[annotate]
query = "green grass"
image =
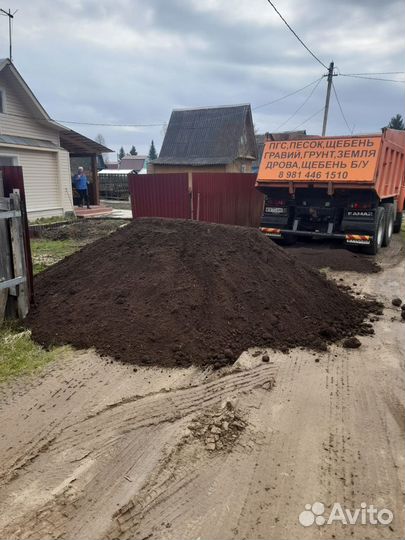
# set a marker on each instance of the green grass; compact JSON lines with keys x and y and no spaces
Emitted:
{"x":50,"y":220}
{"x":48,"y":252}
{"x":19,"y":355}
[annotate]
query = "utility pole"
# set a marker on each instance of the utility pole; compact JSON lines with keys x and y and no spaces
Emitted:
{"x":10,"y":17}
{"x":325,"y":114}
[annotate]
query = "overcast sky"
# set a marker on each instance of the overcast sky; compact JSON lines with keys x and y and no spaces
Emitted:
{"x":133,"y":61}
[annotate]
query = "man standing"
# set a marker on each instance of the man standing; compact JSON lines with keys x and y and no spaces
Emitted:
{"x":81,"y":184}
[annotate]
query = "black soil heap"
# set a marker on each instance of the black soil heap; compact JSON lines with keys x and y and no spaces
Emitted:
{"x":173,"y":292}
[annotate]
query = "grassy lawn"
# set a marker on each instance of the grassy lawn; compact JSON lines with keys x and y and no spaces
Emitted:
{"x":48,"y":252}
{"x":50,"y":220}
{"x":19,"y":355}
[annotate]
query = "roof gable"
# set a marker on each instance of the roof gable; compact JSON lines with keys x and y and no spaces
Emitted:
{"x":71,"y":140}
{"x":40,"y":112}
{"x":209,"y":136}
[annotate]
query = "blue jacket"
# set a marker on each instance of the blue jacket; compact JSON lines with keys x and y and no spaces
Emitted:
{"x":80,"y":181}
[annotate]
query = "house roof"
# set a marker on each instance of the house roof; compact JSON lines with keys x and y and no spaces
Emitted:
{"x":134,"y":162}
{"x":26,"y":141}
{"x":70,"y":140}
{"x":130,"y":156}
{"x":286,"y":135}
{"x":116,"y":172}
{"x":76,"y":143}
{"x":208,"y":136}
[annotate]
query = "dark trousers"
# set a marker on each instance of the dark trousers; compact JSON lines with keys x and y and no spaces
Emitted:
{"x":83,"y":196}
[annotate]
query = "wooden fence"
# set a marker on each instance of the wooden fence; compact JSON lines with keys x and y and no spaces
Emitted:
{"x":14,"y":294}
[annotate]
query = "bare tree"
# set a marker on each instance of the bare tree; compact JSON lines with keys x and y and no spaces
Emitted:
{"x":100,"y":140}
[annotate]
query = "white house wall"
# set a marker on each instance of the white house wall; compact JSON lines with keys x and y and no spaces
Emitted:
{"x":65,"y":181}
{"x":47,"y":180}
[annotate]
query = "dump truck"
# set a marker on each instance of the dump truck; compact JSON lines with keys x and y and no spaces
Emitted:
{"x":347,"y":188}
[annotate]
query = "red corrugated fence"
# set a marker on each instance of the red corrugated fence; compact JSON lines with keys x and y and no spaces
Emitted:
{"x":229,"y":198}
{"x":159,"y":195}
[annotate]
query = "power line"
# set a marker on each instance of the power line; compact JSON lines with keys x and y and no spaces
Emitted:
{"x":340,"y":106}
{"x":108,"y":125}
{"x":296,"y":35}
{"x":370,"y":78}
{"x":86,"y":123}
{"x":309,"y":118}
{"x":301,"y":106}
{"x":286,"y":96}
{"x":370,"y":73}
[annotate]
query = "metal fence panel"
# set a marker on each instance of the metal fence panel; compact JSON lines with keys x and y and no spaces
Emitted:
{"x":229,"y":198}
{"x":160,"y":195}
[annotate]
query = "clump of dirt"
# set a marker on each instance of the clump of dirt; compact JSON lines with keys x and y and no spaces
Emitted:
{"x":219,"y":429}
{"x":82,"y":229}
{"x":337,"y":259}
{"x":174,"y":292}
{"x":351,"y":343}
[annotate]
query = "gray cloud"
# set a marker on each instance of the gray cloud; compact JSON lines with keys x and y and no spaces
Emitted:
{"x":132,"y":61}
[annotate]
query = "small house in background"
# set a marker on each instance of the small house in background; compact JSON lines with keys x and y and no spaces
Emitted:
{"x":210,"y":139}
{"x":43,"y":148}
{"x":135,"y":163}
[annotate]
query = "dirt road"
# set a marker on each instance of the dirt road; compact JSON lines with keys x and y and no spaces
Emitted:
{"x":92,"y":449}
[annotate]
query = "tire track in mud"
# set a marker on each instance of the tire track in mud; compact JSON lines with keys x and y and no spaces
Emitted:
{"x":91,"y":467}
{"x":191,"y":487}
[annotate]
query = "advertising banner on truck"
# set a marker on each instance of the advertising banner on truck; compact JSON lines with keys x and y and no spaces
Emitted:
{"x":334,"y":159}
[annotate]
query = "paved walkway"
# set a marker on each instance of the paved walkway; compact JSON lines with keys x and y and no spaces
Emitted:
{"x":93,"y":211}
{"x":120,"y":213}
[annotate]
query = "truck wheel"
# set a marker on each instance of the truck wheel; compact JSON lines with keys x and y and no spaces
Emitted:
{"x":378,"y":233}
{"x":389,"y":224}
{"x":398,"y":222}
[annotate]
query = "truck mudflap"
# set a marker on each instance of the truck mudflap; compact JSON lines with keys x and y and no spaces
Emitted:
{"x":351,"y":239}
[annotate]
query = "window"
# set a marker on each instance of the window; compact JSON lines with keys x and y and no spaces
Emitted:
{"x":6,"y":161}
{"x":243,"y":168}
{"x":2,"y":101}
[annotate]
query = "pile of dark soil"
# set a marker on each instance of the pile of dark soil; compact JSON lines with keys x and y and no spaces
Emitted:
{"x":172,"y":292}
{"x":335,"y":259}
{"x":82,"y":229}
